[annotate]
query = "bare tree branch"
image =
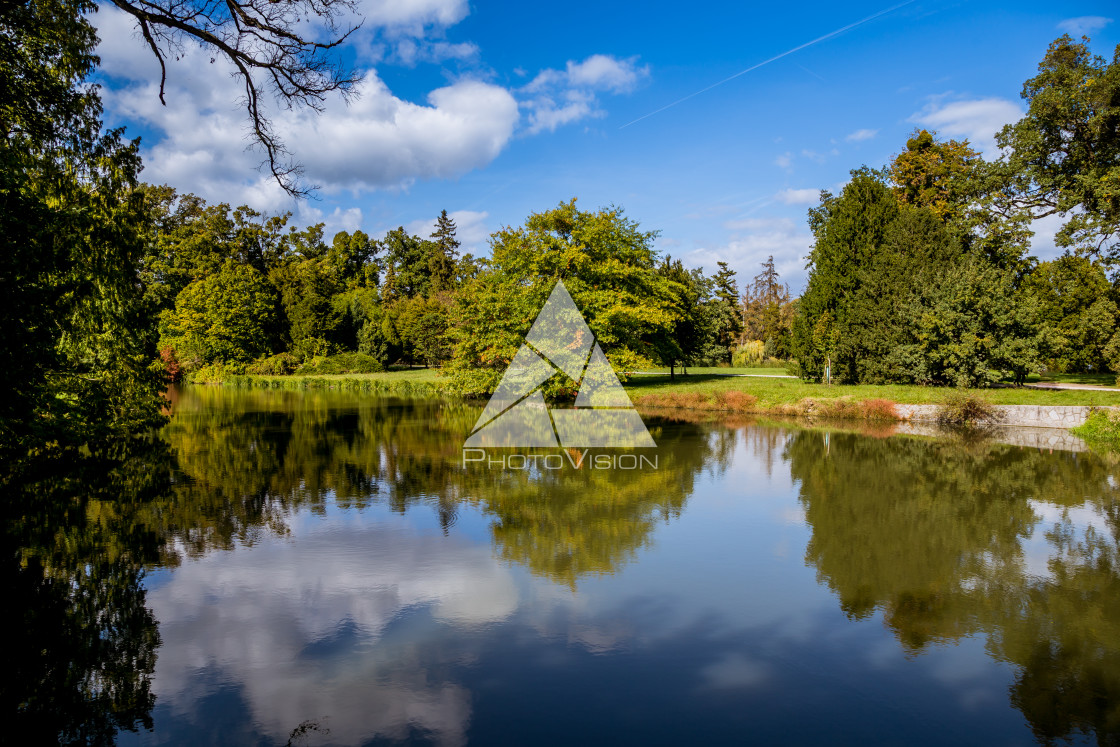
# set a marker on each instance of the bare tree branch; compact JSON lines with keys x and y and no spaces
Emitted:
{"x":263,"y":41}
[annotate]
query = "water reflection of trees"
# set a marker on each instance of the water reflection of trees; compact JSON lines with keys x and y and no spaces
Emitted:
{"x":934,"y":534}
{"x":80,"y":536}
{"x":247,"y":458}
{"x":78,"y":668}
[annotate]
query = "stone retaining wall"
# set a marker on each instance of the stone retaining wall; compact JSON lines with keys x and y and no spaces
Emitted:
{"x":1030,"y":416}
{"x":1051,"y":439}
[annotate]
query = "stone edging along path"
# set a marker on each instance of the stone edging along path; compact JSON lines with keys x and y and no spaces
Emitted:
{"x":1029,"y":416}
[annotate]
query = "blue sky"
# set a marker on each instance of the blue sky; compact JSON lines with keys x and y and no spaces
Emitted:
{"x":494,"y":110}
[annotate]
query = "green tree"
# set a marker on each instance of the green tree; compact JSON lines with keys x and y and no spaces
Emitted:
{"x":408,"y":265}
{"x":424,"y":324}
{"x":353,"y":257}
{"x":226,"y":317}
{"x":189,"y":240}
{"x":315,"y":322}
{"x":1064,"y":155}
{"x":918,"y":248}
{"x":444,"y":259}
{"x":727,"y":313}
{"x":1073,"y":300}
{"x":849,"y":229}
{"x":689,"y":340}
{"x":973,"y":327}
{"x":607,"y":263}
{"x":75,"y":352}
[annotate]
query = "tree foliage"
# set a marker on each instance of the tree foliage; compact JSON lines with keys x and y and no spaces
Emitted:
{"x":607,"y":263}
{"x":77,"y":346}
{"x":1064,"y":155}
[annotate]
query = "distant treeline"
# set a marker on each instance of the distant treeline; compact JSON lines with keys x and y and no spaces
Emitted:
{"x":234,"y":291}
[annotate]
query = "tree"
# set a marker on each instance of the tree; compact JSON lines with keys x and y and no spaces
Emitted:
{"x":688,"y":341}
{"x":353,"y":257}
{"x":307,"y":291}
{"x":848,"y":229}
{"x":76,"y":346}
{"x":1073,"y":300}
{"x":767,"y":311}
{"x":607,"y":263}
{"x":1064,"y":155}
{"x":408,"y":261}
{"x":918,"y":248}
{"x":444,"y":259}
{"x":935,"y":175}
{"x":973,"y":327}
{"x":189,"y":240}
{"x":227,"y":317}
{"x":424,"y":325}
{"x":271,"y":48}
{"x":727,"y":315}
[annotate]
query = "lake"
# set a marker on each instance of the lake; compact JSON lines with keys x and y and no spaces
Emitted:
{"x":321,"y":568}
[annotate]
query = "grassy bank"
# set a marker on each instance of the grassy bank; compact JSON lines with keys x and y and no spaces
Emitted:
{"x":1102,"y":428}
{"x":710,"y":391}
{"x":412,"y":382}
{"x":796,"y":397}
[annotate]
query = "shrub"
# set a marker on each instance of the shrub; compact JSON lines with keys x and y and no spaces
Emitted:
{"x":343,"y":363}
{"x":735,"y":400}
{"x":749,"y":354}
{"x":215,"y":373}
{"x":170,"y":363}
{"x":879,"y":409}
{"x":1102,"y":426}
{"x":310,"y":348}
{"x":964,"y":408}
{"x":280,"y":364}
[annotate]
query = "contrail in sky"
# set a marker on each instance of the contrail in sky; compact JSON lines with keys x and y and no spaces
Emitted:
{"x":819,"y":39}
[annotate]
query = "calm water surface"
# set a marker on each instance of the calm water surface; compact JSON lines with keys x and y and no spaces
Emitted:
{"x":320,"y":568}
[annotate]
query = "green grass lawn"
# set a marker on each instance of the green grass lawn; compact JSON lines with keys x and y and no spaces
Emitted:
{"x":769,"y":392}
{"x":703,"y":370}
{"x":775,"y":392}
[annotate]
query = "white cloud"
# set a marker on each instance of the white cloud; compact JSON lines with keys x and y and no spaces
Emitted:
{"x":603,"y":72}
{"x":1083,"y":25}
{"x":339,"y":220}
{"x":548,"y":113}
{"x":378,"y":141}
{"x":859,"y":135}
{"x":784,"y":160}
{"x":978,"y":120}
{"x":411,"y":14}
{"x":798,"y":196}
{"x":470,"y":229}
{"x":812,"y":155}
{"x":410,"y":52}
{"x":755,"y":239}
{"x":558,"y":97}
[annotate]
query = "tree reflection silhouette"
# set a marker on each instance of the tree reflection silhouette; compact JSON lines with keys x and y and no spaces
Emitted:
{"x":75,"y":547}
{"x":932,"y":534}
{"x":247,"y":458}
